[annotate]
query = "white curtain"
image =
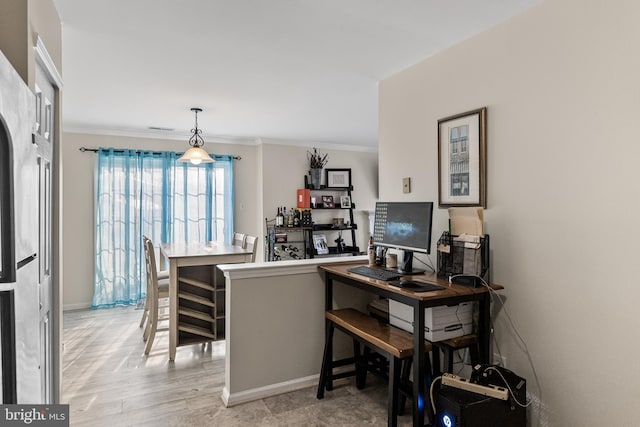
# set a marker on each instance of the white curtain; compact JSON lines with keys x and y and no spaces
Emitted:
{"x":149,"y":193}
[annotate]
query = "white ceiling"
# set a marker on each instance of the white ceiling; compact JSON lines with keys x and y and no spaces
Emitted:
{"x":299,"y":70}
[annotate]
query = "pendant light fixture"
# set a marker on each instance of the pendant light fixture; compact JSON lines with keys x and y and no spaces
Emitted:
{"x":196,"y":154}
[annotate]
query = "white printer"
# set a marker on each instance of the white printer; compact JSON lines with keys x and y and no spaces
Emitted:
{"x":440,"y":323}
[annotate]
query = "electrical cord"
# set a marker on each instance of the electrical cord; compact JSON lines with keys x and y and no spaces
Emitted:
{"x":457,"y":352}
{"x":524,"y":405}
{"x":433,"y":405}
{"x":492,"y":293}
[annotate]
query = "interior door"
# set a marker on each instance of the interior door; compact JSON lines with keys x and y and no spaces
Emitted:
{"x":44,"y":135}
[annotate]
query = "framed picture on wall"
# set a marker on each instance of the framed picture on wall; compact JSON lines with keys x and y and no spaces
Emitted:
{"x":462,"y":173}
{"x":338,"y":178}
{"x":327,"y":202}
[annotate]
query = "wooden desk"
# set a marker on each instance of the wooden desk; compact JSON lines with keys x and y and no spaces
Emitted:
{"x":196,"y":301}
{"x":451,"y":294}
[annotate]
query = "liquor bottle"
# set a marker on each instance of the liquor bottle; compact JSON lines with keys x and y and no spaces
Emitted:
{"x":296,"y":218}
{"x":372,"y":252}
{"x":290,"y":218}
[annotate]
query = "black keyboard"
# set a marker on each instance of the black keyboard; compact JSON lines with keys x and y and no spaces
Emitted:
{"x":375,"y":273}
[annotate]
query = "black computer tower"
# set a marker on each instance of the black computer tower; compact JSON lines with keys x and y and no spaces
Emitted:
{"x":461,"y":408}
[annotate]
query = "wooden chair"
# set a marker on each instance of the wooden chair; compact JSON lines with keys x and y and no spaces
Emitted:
{"x":157,"y":291}
{"x":251,"y":243}
{"x":163,"y":276}
{"x":239,"y":239}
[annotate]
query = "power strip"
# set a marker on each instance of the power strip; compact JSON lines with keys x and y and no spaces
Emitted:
{"x":455,"y":381}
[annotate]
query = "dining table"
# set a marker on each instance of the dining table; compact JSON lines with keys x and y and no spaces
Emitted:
{"x":196,"y":290}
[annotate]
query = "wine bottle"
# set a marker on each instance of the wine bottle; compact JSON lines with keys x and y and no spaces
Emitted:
{"x":279,"y":218}
{"x":290,"y":252}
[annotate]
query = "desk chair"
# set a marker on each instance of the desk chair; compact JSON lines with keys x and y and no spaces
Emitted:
{"x":251,"y":243}
{"x":157,"y":291}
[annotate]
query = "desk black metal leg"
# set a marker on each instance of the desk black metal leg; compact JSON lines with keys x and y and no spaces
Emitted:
{"x":328,"y":293}
{"x":394,"y":383}
{"x":421,"y":404}
{"x":484,"y":329}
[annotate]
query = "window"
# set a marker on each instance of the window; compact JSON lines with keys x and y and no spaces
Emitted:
{"x":151,"y":194}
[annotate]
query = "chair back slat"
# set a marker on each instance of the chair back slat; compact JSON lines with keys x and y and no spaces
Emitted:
{"x":252,"y":244}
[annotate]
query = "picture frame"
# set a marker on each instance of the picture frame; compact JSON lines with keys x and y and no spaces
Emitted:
{"x":327,"y":202}
{"x":462,"y":159}
{"x":320,"y":244}
{"x":345,"y":202}
{"x":338,"y":178}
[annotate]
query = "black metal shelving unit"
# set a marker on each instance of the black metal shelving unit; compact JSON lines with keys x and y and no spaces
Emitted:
{"x":299,"y":243}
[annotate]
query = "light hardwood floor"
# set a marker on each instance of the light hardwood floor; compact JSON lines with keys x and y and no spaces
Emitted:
{"x":107,"y":380}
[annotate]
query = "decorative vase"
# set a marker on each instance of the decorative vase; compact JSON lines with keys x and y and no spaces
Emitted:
{"x":316,"y":177}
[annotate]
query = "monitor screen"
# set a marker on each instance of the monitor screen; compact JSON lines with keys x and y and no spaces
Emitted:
{"x":403,"y":225}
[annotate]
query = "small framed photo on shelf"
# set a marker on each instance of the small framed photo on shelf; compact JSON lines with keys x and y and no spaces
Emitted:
{"x":327,"y":202}
{"x":320,"y":244}
{"x":345,"y":202}
{"x":338,"y":178}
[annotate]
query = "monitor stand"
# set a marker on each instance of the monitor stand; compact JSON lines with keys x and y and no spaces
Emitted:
{"x":406,"y":267}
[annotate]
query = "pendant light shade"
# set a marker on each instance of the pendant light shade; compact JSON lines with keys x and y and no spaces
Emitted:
{"x":196,"y":154}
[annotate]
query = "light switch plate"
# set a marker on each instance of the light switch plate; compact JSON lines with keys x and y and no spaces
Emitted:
{"x":406,"y":185}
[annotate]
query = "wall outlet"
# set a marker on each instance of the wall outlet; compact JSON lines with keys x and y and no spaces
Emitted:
{"x":406,"y":185}
{"x":499,"y":360}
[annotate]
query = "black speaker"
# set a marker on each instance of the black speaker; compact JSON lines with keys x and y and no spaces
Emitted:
{"x":461,"y":408}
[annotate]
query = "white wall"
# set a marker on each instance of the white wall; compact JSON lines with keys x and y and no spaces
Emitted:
{"x":266,"y":177}
{"x":284,"y":168}
{"x":561,"y":86}
{"x":275,"y":326}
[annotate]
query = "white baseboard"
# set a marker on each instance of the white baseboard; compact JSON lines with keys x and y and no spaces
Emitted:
{"x":78,"y":306}
{"x":268,"y":391}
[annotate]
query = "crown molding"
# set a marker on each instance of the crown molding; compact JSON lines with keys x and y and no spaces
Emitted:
{"x":320,"y":145}
{"x":157,"y":134}
{"x":183,"y":136}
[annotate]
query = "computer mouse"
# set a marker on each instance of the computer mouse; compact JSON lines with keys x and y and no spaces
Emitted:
{"x":406,"y":283}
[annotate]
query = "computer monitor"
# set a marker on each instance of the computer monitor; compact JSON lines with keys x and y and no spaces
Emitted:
{"x":406,"y":226}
